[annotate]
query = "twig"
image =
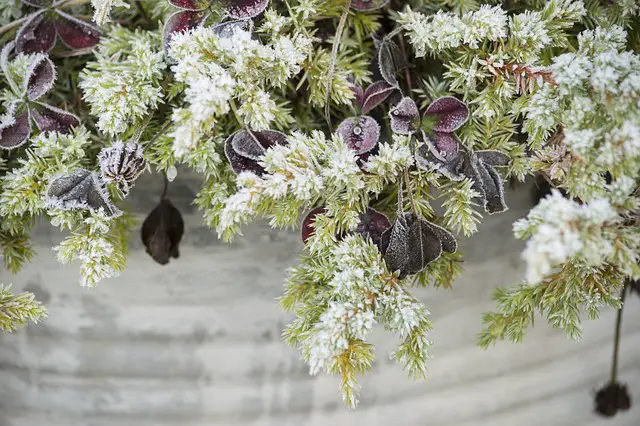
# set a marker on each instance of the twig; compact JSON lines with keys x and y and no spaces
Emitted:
{"x":13,"y":24}
{"x":157,"y":135}
{"x":332,"y":64}
{"x":616,"y":341}
{"x":166,"y":186}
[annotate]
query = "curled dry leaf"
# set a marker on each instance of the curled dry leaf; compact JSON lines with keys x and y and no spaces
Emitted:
{"x":81,"y":189}
{"x":412,"y":243}
{"x":122,"y":164}
{"x":391,"y":60}
{"x":162,"y":231}
{"x":612,"y":398}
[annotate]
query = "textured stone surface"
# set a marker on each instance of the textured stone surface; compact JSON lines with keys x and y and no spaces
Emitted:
{"x":197,"y":342}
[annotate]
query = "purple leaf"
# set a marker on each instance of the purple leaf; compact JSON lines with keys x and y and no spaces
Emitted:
{"x":375,"y":95}
{"x":359,"y":99}
{"x":42,"y":75}
{"x":246,"y":9}
{"x":38,"y":3}
{"x":373,"y":224}
{"x":186,"y":4}
{"x":17,"y":133}
{"x":390,"y":61}
{"x":405,"y":117}
{"x":361,"y":134}
{"x":180,"y":22}
{"x":493,"y":158}
{"x":162,"y":231}
{"x":367,"y":5}
{"x":238,"y":162}
{"x":36,"y":35}
{"x":244,"y":143}
{"x":452,"y":113}
{"x":307,"y":229}
{"x":81,"y":189}
{"x":429,"y":157}
{"x":52,"y":119}
{"x":446,"y":145}
{"x":269,"y":138}
{"x":75,"y":33}
{"x":449,"y":243}
{"x":493,"y":190}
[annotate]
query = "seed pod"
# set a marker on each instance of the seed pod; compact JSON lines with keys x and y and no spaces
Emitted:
{"x":162,"y":231}
{"x":122,"y":164}
{"x":612,"y":398}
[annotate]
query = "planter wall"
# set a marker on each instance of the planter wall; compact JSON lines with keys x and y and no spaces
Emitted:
{"x":198,"y":343}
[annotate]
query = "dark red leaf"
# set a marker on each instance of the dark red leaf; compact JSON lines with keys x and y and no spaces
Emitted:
{"x":375,"y":94}
{"x":452,"y":113}
{"x":16,"y":134}
{"x":36,"y":35}
{"x":240,"y":163}
{"x":366,"y":5}
{"x":429,"y":157}
{"x":361,"y":134}
{"x":372,"y":224}
{"x":359,"y":99}
{"x":162,"y":232}
{"x":42,"y":75}
{"x":75,"y":33}
{"x":246,"y":9}
{"x":307,"y":229}
{"x":244,"y":143}
{"x":187,"y":4}
{"x":180,"y":22}
{"x":52,"y":119}
{"x":446,"y":145}
{"x":405,"y":117}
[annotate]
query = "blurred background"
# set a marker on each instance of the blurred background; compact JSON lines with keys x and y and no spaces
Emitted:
{"x":197,"y":342}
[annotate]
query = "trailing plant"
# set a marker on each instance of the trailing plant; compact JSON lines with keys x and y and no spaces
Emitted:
{"x":355,"y":120}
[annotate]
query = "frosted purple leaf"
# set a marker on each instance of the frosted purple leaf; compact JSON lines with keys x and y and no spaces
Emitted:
{"x":42,"y":75}
{"x":359,"y":99}
{"x":15,"y":133}
{"x":452,"y":113}
{"x":270,"y":138}
{"x":122,"y":164}
{"x":372,"y":224}
{"x":375,"y":94}
{"x":76,"y":33}
{"x":361,"y":134}
{"x":405,"y":117}
{"x":493,"y":158}
{"x":36,"y":35}
{"x":367,"y":5}
{"x":244,"y":143}
{"x":81,"y":189}
{"x":52,"y":119}
{"x":187,"y":4}
{"x":428,"y":157}
{"x":307,"y":229}
{"x":179,"y":22}
{"x":446,"y":145}
{"x":412,"y":243}
{"x":390,"y":61}
{"x":238,"y":162}
{"x":246,"y":9}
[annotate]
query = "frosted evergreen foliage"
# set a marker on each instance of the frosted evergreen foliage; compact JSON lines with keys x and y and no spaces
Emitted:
{"x":383,"y":131}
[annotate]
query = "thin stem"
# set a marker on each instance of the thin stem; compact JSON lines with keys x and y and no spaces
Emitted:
{"x":332,"y":65}
{"x":13,"y":24}
{"x":166,"y":186}
{"x":616,"y":341}
{"x":157,"y":135}
{"x":407,"y":181}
